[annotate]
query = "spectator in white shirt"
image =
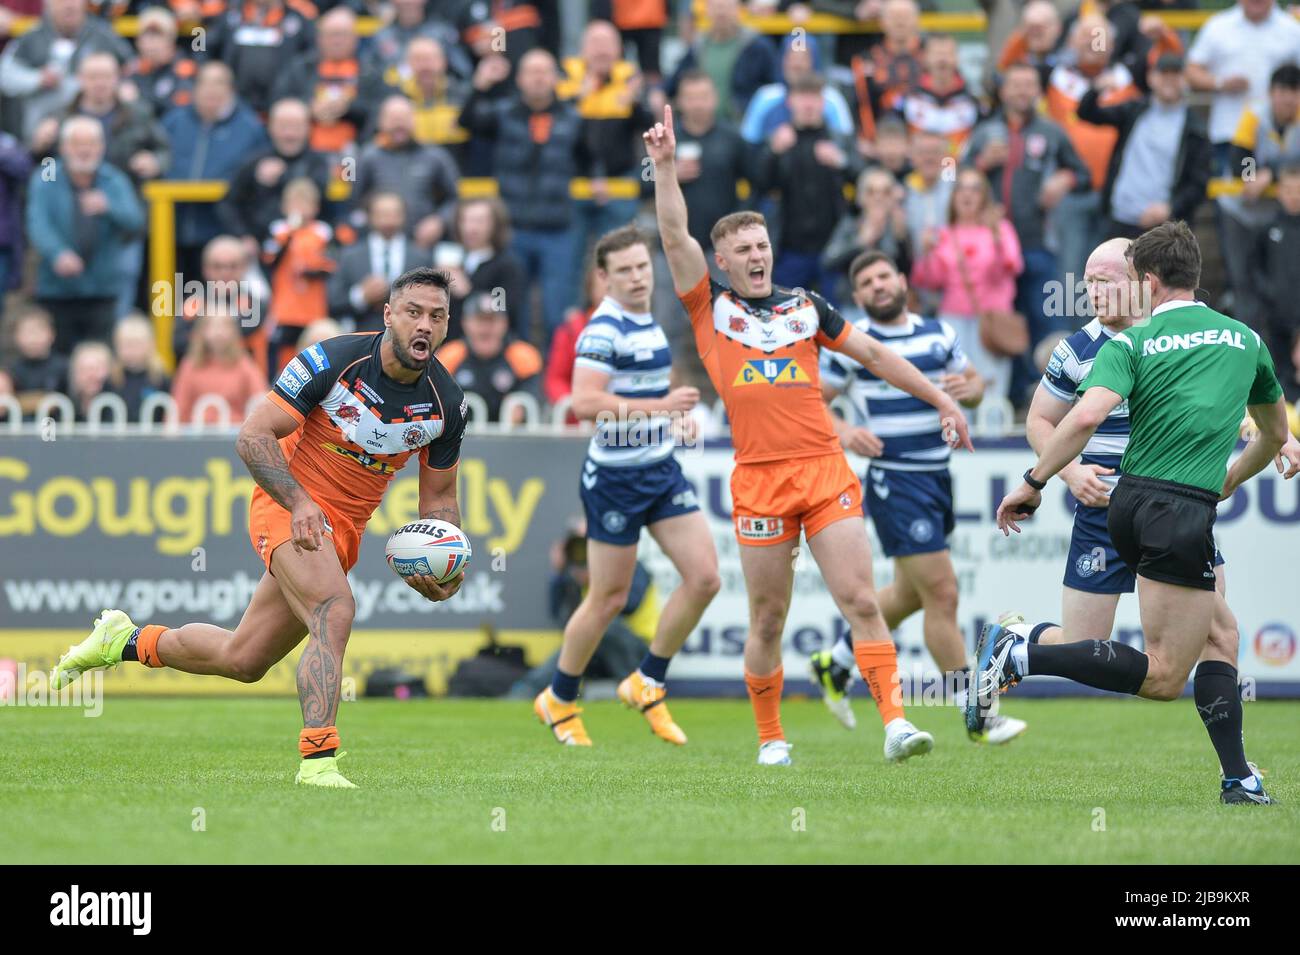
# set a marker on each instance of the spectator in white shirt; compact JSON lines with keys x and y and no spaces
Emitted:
{"x":1233,"y":57}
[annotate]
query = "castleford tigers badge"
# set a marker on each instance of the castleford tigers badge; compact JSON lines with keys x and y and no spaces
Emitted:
{"x":738,"y":323}
{"x":412,"y":436}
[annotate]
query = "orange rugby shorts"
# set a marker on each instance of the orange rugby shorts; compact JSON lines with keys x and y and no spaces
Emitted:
{"x":771,"y":502}
{"x":269,"y":526}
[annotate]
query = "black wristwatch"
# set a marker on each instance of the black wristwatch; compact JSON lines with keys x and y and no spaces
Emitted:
{"x":1029,"y":479}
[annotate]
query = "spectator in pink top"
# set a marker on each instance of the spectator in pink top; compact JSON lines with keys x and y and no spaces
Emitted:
{"x":977,"y":252}
{"x":217,"y":364}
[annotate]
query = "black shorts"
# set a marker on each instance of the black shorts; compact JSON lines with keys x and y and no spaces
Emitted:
{"x":1164,"y":530}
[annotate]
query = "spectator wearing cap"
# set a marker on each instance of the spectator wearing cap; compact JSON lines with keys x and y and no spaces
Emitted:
{"x":740,"y":61}
{"x":1277,"y":263}
{"x":163,"y":73}
{"x":211,"y":138}
{"x":342,"y":91}
{"x":424,"y":176}
{"x":15,"y":167}
{"x":258,"y":40}
{"x":1267,"y":137}
{"x":939,"y":102}
{"x":253,"y":200}
{"x":135,"y":143}
{"x":39,"y":69}
{"x":809,"y":165}
{"x":769,"y":108}
{"x":367,"y":269}
{"x":413,"y":20}
{"x":1161,"y":161}
{"x":712,"y":157}
{"x":480,"y":260}
{"x":606,"y":91}
{"x":538,"y":144}
{"x":437,"y":96}
{"x":1031,"y":166}
{"x":1233,"y":58}
{"x":78,"y":220}
{"x":488,"y":362}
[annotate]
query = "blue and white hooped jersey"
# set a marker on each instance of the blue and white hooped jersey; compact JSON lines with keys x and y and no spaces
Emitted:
{"x":1070,"y":363}
{"x":908,"y":428}
{"x":633,"y":350}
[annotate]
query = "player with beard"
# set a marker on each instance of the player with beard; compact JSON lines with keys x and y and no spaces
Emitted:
{"x":339,"y":423}
{"x":761,"y":347}
{"x":908,"y":490}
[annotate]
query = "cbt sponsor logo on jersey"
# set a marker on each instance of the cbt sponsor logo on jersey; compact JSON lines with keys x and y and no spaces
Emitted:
{"x":772,"y":371}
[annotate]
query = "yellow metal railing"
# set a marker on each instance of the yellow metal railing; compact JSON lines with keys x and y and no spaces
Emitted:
{"x":973,"y":22}
{"x":162,"y":196}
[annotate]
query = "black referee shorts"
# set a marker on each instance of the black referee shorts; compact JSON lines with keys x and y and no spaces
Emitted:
{"x":1164,"y":530}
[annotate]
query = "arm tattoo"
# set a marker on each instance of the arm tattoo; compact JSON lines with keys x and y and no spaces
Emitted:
{"x":265,"y":460}
{"x":319,"y":670}
{"x":443,"y":509}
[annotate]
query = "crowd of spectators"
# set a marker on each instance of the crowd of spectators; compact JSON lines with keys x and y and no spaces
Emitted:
{"x":345,"y":145}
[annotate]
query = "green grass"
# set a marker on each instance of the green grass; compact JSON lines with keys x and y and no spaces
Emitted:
{"x":123,"y":787}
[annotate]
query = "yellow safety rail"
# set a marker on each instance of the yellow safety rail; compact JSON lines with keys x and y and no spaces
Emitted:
{"x":162,"y":196}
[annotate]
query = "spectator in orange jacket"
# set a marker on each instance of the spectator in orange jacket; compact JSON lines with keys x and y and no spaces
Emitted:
{"x":488,"y":362}
{"x":296,"y":258}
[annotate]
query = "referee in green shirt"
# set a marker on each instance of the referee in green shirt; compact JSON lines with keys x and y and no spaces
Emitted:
{"x":1187,"y":372}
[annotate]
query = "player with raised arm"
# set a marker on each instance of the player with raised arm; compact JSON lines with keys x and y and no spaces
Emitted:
{"x":761,"y":346}
{"x":1095,"y":574}
{"x":1186,"y":373}
{"x":339,"y":423}
{"x":908,"y":487}
{"x":631,"y":480}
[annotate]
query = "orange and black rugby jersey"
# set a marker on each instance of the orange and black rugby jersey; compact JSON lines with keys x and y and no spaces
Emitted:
{"x":762,"y":357}
{"x":358,"y":426}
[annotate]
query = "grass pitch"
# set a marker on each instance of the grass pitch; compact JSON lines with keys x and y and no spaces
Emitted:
{"x":1093,"y":781}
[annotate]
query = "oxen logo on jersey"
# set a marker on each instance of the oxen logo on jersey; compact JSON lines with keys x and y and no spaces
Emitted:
{"x":766,"y":329}
{"x":361,"y":426}
{"x":773,"y":371}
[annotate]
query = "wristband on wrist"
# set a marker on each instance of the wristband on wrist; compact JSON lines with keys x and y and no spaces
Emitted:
{"x":1032,"y":482}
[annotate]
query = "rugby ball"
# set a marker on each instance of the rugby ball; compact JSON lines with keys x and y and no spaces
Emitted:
{"x":438,"y":549}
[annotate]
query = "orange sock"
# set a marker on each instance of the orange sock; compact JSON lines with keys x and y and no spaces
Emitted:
{"x":765,"y":696}
{"x":878,"y":664}
{"x":146,"y":645}
{"x":317,"y":739}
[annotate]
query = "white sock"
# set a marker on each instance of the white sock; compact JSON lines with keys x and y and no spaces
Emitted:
{"x":1020,"y":658}
{"x":842,"y":654}
{"x":1252,"y":783}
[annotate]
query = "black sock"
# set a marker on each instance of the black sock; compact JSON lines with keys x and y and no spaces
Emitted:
{"x":1218,"y":703}
{"x":1104,"y":664}
{"x":128,"y":651}
{"x":322,"y":754}
{"x":1039,"y":629}
{"x":958,"y":680}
